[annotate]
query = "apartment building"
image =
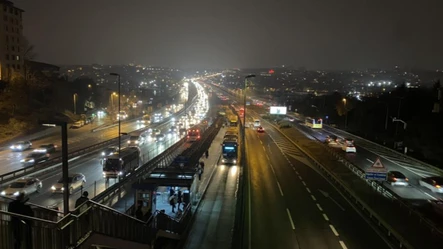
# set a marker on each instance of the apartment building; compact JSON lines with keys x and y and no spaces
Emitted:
{"x":11,"y":40}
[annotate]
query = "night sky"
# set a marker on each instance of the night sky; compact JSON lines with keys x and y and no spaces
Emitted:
{"x":316,"y":34}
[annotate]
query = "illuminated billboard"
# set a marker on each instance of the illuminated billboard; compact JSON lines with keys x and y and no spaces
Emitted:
{"x":278,"y":110}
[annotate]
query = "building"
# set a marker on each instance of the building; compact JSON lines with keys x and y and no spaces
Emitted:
{"x":11,"y":40}
{"x":40,"y":68}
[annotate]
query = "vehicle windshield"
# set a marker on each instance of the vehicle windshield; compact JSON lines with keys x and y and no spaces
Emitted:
{"x":112,"y":164}
{"x":69,"y":180}
{"x":18,"y":185}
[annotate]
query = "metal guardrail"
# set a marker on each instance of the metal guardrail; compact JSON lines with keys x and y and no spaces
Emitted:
{"x":392,"y":233}
{"x":401,"y":155}
{"x":49,"y":165}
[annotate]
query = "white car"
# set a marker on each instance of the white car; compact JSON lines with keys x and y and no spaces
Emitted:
{"x":75,"y":182}
{"x":433,"y":183}
{"x":349,"y":148}
{"x":27,"y":185}
{"x":21,"y":146}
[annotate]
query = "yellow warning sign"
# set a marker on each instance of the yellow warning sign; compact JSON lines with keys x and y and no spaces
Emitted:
{"x":377,"y":164}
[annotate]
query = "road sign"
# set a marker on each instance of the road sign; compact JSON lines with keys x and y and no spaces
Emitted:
{"x":377,"y":172}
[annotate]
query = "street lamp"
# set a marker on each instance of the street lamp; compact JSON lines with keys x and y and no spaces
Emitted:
{"x":119,"y":118}
{"x":346,"y":112}
{"x":65,"y":169}
{"x":75,"y":103}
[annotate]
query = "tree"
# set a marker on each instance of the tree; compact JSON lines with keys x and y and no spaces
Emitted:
{"x":344,"y":107}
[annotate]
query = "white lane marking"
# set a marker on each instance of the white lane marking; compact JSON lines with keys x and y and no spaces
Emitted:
{"x":272,"y":168}
{"x":304,"y":183}
{"x":430,"y":196}
{"x":333,"y":230}
{"x":319,"y":207}
{"x":279,"y":187}
{"x":343,"y":245}
{"x":313,"y":198}
{"x":268,"y":157}
{"x":307,"y":189}
{"x":296,"y":172}
{"x":264,"y":148}
{"x":369,"y":160}
{"x":299,"y":177}
{"x":290,"y":219}
{"x":261,"y":142}
{"x":326,"y":217}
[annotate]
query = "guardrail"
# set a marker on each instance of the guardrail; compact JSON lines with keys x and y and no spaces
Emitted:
{"x":51,"y":164}
{"x":373,"y":216}
{"x":389,"y":149}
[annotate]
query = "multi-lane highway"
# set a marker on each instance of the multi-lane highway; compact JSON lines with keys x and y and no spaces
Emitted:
{"x":293,"y":206}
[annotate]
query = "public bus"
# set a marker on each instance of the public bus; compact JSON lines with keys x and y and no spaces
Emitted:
{"x":233,"y":121}
{"x":121,"y":164}
{"x":194,"y":133}
{"x":314,"y":123}
{"x":230,"y":151}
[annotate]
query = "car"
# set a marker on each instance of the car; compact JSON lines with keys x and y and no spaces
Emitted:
{"x":330,"y":139}
{"x":34,"y":158}
{"x":21,"y":146}
{"x":46,"y":148}
{"x":110,"y":151}
{"x":27,"y":186}
{"x":397,"y":178}
{"x":159,"y":137}
{"x":76,"y":125}
{"x":432,"y":183}
{"x":335,"y":144}
{"x":349,"y":148}
{"x":260,"y":129}
{"x":173,"y":129}
{"x":75,"y":182}
{"x":156,"y":132}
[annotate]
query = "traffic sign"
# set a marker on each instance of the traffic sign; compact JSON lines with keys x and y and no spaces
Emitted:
{"x":377,"y":172}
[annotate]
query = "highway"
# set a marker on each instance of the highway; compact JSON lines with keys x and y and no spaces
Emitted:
{"x":287,"y":208}
{"x":77,"y":139}
{"x":91,"y":167}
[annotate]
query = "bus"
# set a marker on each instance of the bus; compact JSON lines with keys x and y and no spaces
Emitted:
{"x":194,"y":133}
{"x":233,"y":121}
{"x":314,"y":123}
{"x":121,"y":164}
{"x":230,"y":151}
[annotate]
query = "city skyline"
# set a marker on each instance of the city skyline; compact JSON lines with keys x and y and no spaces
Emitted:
{"x":236,"y":35}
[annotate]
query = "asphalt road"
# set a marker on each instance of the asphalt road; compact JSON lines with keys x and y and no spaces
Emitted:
{"x":287,"y":208}
{"x":91,"y":167}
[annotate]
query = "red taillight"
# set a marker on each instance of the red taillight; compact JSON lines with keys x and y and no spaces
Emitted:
{"x":198,"y":137}
{"x":188,"y":136}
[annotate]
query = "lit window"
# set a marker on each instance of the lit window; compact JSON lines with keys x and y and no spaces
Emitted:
{"x":17,"y":57}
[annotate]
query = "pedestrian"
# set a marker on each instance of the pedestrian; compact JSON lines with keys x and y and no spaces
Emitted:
{"x":172,"y":202}
{"x":207,"y":153}
{"x":199,"y":172}
{"x":19,"y":226}
{"x":171,"y":192}
{"x":202,"y":165}
{"x":79,"y":202}
{"x":139,"y":211}
{"x":179,"y":198}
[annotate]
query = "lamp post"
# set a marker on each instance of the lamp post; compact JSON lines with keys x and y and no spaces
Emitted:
{"x":346,"y":112}
{"x":65,"y":169}
{"x":75,"y":103}
{"x":118,"y":115}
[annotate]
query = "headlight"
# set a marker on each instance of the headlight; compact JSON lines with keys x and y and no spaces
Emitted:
{"x":136,"y":142}
{"x":120,"y":173}
{"x":53,"y":188}
{"x":19,"y":147}
{"x":16,"y":193}
{"x":129,"y":141}
{"x":63,"y":189}
{"x":235,"y":161}
{"x":32,"y":160}
{"x":22,"y":161}
{"x":103,"y":154}
{"x":3,"y":193}
{"x":12,"y":147}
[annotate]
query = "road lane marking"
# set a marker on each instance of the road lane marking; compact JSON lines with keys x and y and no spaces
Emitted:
{"x":343,"y":245}
{"x":261,"y":142}
{"x":279,"y":187}
{"x":264,"y":148}
{"x":307,"y":189}
{"x":296,"y":172}
{"x":299,"y":177}
{"x":430,"y":196}
{"x":290,"y":219}
{"x":304,"y":183}
{"x":333,"y":230}
{"x":319,"y":207}
{"x":272,"y":168}
{"x":326,"y":217}
{"x":369,"y":160}
{"x":268,"y":157}
{"x":313,"y":198}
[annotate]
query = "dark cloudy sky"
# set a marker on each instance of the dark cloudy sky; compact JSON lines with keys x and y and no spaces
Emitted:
{"x":325,"y":34}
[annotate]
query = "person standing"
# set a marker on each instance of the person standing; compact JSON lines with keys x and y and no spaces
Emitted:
{"x":199,"y":172}
{"x":202,"y":165}
{"x":207,"y":154}
{"x":139,"y":211}
{"x":179,"y":199}
{"x":82,"y":199}
{"x":20,"y":227}
{"x":172,"y":202}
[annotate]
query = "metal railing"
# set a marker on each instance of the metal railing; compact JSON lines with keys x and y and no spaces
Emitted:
{"x":50,"y":165}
